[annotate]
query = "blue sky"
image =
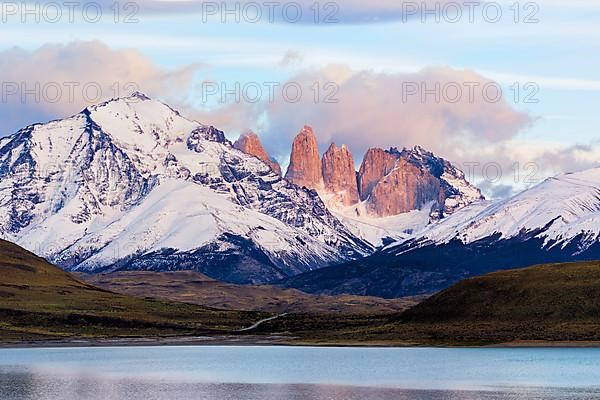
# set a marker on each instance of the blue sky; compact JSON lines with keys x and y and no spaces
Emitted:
{"x":560,"y":53}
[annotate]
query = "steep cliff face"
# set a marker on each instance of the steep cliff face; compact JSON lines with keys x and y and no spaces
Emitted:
{"x":406,"y":188}
{"x":388,"y":183}
{"x":250,"y":144}
{"x":305,"y":163}
{"x":458,"y":192}
{"x":131,"y":184}
{"x":339,"y":175}
{"x":393,"y":182}
{"x":377,"y":163}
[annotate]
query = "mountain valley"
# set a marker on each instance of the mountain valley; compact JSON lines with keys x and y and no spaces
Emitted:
{"x":130,"y":185}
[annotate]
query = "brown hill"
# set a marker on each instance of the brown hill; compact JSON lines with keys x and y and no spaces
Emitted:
{"x":540,"y":305}
{"x":40,"y":301}
{"x":196,"y":288}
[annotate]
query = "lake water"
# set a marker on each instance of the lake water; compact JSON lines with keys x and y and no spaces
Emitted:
{"x":298,"y":373}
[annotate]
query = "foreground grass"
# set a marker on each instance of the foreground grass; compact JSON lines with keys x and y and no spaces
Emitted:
{"x":542,"y":304}
{"x":195,"y":288}
{"x":38,"y":300}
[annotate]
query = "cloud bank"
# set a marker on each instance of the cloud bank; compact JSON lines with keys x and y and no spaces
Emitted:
{"x":441,"y":108}
{"x":364,"y":109}
{"x":478,"y":130}
{"x":56,"y":81}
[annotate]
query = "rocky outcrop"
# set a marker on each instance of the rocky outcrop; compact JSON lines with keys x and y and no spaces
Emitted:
{"x":376,"y":164}
{"x":389,"y":182}
{"x":392,"y":182}
{"x":339,"y":175}
{"x":458,"y":192}
{"x":305,"y":163}
{"x":250,"y":144}
{"x":407,"y":187}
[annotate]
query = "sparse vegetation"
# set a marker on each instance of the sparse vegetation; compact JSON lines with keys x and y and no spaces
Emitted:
{"x":40,"y":301}
{"x":546,"y":303}
{"x":195,"y":288}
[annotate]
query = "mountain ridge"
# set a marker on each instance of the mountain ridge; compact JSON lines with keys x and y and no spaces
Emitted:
{"x":39,"y":301}
{"x":388,"y":183}
{"x":555,"y":221}
{"x":92,"y":191}
{"x":393,"y":194}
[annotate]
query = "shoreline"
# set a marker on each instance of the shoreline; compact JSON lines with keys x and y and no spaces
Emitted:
{"x":272,"y":340}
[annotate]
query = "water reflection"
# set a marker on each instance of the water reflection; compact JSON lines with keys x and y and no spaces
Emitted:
{"x":25,"y":383}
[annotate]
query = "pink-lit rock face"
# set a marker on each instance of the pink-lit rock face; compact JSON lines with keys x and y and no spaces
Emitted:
{"x":389,"y":182}
{"x":339,"y":175}
{"x":377,"y":163}
{"x":305,"y":163}
{"x":406,"y":188}
{"x":250,"y":143}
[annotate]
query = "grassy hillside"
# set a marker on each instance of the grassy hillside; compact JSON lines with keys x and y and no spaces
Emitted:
{"x":559,"y":302}
{"x":546,"y":303}
{"x":196,"y":288}
{"x":38,"y":300}
{"x":551,"y":293}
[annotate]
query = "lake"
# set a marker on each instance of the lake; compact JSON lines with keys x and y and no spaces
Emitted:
{"x":298,"y":373}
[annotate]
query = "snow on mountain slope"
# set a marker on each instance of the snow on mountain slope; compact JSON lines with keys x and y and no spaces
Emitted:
{"x":379,"y":231}
{"x":457,"y":193}
{"x":554,"y":222}
{"x":176,"y":223}
{"x":558,"y":210}
{"x":131,"y":180}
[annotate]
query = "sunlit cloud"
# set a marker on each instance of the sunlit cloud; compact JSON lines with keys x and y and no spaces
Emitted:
{"x":56,"y":81}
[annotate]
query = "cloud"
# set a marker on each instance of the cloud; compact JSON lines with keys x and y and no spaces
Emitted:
{"x":518,"y":164}
{"x":571,"y":158}
{"x":365,"y":109}
{"x":478,"y":130}
{"x":56,"y":81}
{"x":389,"y":110}
{"x":481,"y":134}
{"x":292,"y":59}
{"x":496,"y":191}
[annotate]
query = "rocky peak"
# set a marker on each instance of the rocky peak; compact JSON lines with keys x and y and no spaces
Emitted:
{"x":406,"y":188}
{"x":394,"y":182}
{"x":389,"y":182}
{"x":249,"y":143}
{"x":339,"y":175}
{"x":212,"y":134}
{"x":305,"y":163}
{"x":376,"y":164}
{"x":139,"y":96}
{"x":458,"y":192}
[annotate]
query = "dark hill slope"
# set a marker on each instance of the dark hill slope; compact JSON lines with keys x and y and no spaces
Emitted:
{"x":544,"y":304}
{"x":429,"y":269}
{"x":39,"y":301}
{"x":557,"y":293}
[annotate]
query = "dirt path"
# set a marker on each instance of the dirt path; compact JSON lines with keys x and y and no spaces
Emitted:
{"x":262,"y":321}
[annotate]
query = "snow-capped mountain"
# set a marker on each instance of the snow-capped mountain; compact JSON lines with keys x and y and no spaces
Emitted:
{"x":131,"y":184}
{"x":394,"y":194}
{"x":426,"y":187}
{"x":555,"y":221}
{"x":560,"y":211}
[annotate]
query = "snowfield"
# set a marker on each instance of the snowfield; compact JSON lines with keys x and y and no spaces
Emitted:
{"x":559,"y":210}
{"x":132,"y":177}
